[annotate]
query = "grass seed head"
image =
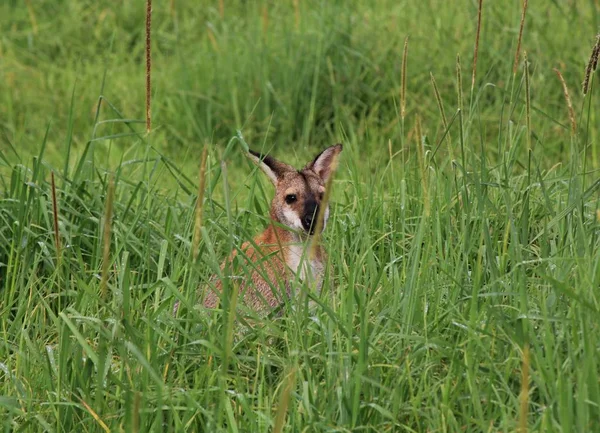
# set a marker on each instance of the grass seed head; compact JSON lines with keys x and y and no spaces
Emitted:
{"x":517,"y":53}
{"x":476,"y":52}
{"x":568,"y":100}
{"x":591,"y":65}
{"x":403,"y":86}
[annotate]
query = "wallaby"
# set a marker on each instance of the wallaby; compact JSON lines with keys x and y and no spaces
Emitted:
{"x":279,"y":255}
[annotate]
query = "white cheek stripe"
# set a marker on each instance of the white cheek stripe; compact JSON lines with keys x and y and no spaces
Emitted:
{"x":291,"y":219}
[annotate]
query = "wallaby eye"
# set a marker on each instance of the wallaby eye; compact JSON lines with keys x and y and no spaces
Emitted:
{"x":290,"y":198}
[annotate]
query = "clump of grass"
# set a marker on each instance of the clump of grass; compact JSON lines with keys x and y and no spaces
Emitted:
{"x":425,"y":317}
{"x":398,"y":248}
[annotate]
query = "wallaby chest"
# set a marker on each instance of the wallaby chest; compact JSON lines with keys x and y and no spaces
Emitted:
{"x":297,"y":258}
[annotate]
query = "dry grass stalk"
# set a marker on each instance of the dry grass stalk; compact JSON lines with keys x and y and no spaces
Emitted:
{"x":422,"y":164}
{"x":212,"y":39}
{"x":527,"y":101}
{"x":94,"y":415}
{"x":55,"y":216}
{"x":297,"y":14}
{"x":459,"y":89}
{"x":148,"y":63}
{"x":324,"y":203}
{"x":34,"y":26}
{"x":137,"y":399}
{"x":475,"y":54}
{"x":403,"y":84}
{"x":108,"y":211}
{"x":592,"y":65}
{"x":569,"y":104}
{"x":524,"y":396}
{"x":199,"y":204}
{"x":233,"y":300}
{"x":284,"y":401}
{"x":222,"y":8}
{"x":265,"y":20}
{"x":442,"y":112}
{"x":524,"y":11}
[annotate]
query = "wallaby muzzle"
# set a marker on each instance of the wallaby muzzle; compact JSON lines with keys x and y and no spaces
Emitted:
{"x":309,"y":219}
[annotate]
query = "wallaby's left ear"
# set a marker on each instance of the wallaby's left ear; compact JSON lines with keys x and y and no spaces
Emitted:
{"x":322,"y":164}
{"x":272,"y":168}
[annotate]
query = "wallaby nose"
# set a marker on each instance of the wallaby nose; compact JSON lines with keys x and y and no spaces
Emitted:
{"x":308,"y":220}
{"x":310,"y":217}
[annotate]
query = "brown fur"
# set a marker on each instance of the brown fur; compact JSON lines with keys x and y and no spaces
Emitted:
{"x":275,"y":256}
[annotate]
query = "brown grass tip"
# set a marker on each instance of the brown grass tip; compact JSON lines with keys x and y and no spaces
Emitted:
{"x":523,"y":12}
{"x":591,"y":65}
{"x":403,"y":84}
{"x":568,"y":99}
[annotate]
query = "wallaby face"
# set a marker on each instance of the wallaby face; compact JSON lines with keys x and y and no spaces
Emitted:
{"x":279,"y":254}
{"x":298,"y":193}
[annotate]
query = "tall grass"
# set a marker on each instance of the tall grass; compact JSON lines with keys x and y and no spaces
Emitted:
{"x":459,"y":295}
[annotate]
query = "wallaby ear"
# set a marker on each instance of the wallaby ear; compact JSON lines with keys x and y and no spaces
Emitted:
{"x":272,"y":168}
{"x":322,"y":164}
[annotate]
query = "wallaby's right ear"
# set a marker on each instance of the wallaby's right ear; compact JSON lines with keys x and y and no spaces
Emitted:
{"x":272,"y":168}
{"x":323,"y":163}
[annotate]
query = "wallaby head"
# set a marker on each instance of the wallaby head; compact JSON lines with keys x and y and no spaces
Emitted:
{"x":298,"y":193}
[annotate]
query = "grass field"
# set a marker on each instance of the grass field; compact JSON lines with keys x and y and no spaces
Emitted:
{"x":462,"y":292}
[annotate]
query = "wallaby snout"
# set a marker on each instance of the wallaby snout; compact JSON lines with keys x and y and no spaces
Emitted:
{"x":309,"y":220}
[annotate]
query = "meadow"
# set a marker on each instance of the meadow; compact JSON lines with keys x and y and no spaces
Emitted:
{"x":462,"y":290}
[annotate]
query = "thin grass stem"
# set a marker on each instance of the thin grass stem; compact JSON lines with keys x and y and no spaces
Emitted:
{"x":476,"y":50}
{"x":568,"y":101}
{"x":108,"y":212}
{"x":403,"y":82}
{"x":55,"y":217}
{"x":284,"y":401}
{"x":522,"y":25}
{"x":524,"y":395}
{"x":199,"y":204}
{"x":148,"y":64}
{"x":442,"y":113}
